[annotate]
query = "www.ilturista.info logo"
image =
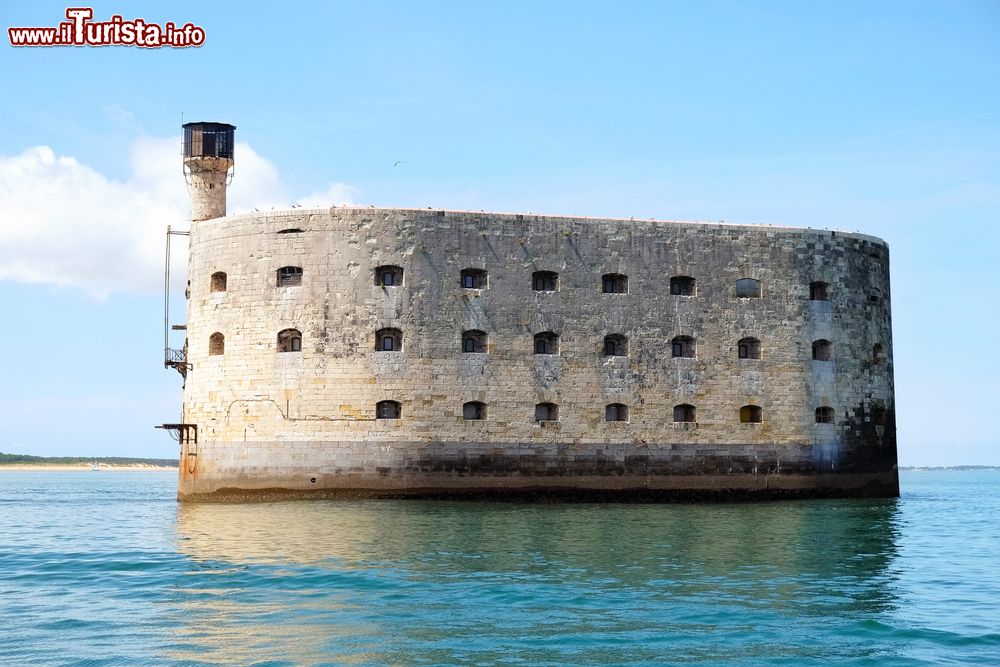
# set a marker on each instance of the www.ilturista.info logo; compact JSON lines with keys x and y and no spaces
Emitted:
{"x":80,"y":30}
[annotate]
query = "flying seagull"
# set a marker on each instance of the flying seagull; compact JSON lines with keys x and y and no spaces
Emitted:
{"x":399,"y":162}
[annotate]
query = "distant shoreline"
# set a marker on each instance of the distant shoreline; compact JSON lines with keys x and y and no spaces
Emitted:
{"x":32,"y":462}
{"x":949,"y":467}
{"x":84,"y":467}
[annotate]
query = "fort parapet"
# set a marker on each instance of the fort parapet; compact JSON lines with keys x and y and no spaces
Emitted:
{"x":383,"y":352}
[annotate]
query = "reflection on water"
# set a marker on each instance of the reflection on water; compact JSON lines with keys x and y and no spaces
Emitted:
{"x":429,"y":582}
{"x":102,"y":570}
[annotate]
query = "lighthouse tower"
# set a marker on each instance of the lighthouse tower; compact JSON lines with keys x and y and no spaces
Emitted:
{"x":208,"y":167}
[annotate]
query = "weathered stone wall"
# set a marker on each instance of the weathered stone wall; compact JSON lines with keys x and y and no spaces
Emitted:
{"x":207,"y":178}
{"x":271,"y":419}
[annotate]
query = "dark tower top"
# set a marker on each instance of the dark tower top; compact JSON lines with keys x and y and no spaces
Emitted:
{"x":208,"y":140}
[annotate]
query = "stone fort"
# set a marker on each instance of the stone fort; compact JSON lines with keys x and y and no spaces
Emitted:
{"x":376,"y":352}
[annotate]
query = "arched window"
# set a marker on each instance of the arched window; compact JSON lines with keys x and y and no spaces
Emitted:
{"x":878,"y":355}
{"x":289,"y":276}
{"x":875,"y":296}
{"x":289,"y":340}
{"x":614,"y":283}
{"x":546,"y":412}
{"x":544,"y":281}
{"x":682,"y":286}
{"x":682,"y":346}
{"x":216,"y":344}
{"x":474,"y":341}
{"x":546,"y":343}
{"x":822,"y":350}
{"x":218,"y":281}
{"x":474,"y":410}
{"x":819,"y":291}
{"x":616,"y":412}
{"x":751,"y":414}
{"x":389,"y":275}
{"x":748,"y":348}
{"x":473,"y":278}
{"x":388,"y":410}
{"x":684,"y":413}
{"x":389,"y":340}
{"x":824,"y":415}
{"x":748,"y":288}
{"x":615,"y":345}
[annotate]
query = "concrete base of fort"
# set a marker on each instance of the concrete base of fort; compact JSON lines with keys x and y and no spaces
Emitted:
{"x":281,"y":470}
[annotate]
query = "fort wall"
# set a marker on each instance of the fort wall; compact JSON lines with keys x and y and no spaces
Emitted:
{"x":305,"y":421}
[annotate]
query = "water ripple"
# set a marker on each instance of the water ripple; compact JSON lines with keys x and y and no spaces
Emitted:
{"x":108,"y":570}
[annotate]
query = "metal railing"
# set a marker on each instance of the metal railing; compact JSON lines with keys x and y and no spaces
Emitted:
{"x":173,"y":357}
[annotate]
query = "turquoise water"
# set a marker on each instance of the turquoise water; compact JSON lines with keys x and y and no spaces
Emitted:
{"x":101,"y":568}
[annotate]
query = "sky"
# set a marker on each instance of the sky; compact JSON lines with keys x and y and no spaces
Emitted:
{"x":881,"y":117}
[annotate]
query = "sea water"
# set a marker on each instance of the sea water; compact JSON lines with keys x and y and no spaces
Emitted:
{"x":105,"y":568}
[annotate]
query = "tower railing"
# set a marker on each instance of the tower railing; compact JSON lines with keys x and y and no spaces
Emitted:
{"x":172,"y":357}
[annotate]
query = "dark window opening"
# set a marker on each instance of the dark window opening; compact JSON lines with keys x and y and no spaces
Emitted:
{"x":878,"y":355}
{"x":290,"y":230}
{"x":208,"y":143}
{"x":546,"y":412}
{"x":615,"y":345}
{"x":682,"y":286}
{"x":218,"y":281}
{"x":819,"y":291}
{"x":748,"y":348}
{"x":616,"y":412}
{"x":878,"y":414}
{"x":684,"y":413}
{"x":614,"y":283}
{"x":387,"y":410}
{"x":824,"y":415}
{"x":216,"y":344}
{"x":289,"y":276}
{"x":474,"y":341}
{"x":474,"y":278}
{"x":289,"y":340}
{"x":389,"y":340}
{"x":748,"y":288}
{"x":544,"y":281}
{"x":682,"y":346}
{"x":389,"y":276}
{"x":822,"y":350}
{"x":474,"y":410}
{"x":546,"y":343}
{"x":751,"y":414}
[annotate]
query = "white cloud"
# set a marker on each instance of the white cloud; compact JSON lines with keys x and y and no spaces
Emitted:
{"x":257,"y":185}
{"x":63,"y":223}
{"x":337,"y":193}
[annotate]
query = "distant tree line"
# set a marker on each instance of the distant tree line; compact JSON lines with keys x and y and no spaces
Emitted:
{"x":110,"y":460}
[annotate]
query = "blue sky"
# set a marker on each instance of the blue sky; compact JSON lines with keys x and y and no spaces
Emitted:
{"x":880,"y":117}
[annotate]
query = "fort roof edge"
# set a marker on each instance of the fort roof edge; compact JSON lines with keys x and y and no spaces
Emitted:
{"x":289,"y":212}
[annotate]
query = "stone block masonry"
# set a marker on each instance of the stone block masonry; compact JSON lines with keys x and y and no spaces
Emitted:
{"x":645,"y":315}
